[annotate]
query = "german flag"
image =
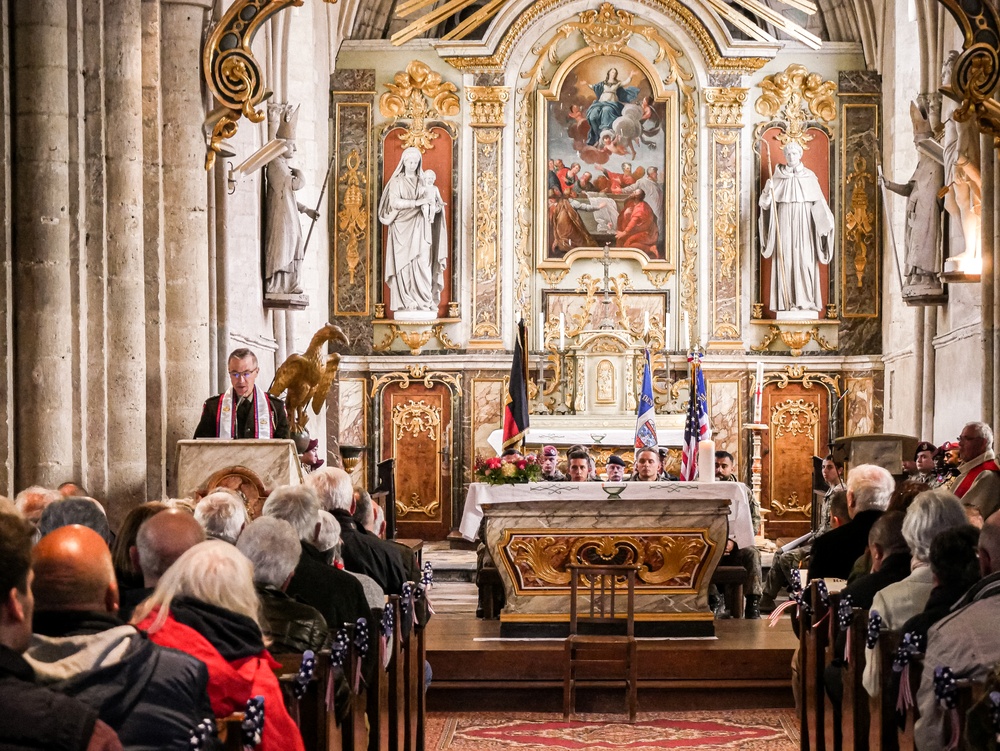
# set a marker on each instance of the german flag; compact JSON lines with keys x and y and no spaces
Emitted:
{"x":515,"y":410}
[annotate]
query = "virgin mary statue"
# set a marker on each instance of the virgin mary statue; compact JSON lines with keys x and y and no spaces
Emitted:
{"x":416,"y":248}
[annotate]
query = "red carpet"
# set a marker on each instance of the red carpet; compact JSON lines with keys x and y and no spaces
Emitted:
{"x":750,"y":730}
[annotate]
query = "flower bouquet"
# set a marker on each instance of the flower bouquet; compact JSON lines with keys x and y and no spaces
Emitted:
{"x":495,"y":471}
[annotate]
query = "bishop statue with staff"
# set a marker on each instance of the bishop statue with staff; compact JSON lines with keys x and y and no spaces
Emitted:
{"x":796,"y":231}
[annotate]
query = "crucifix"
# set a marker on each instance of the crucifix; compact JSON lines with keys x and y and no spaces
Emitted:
{"x":607,"y":322}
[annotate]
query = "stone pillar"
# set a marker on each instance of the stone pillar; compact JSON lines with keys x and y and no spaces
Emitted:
{"x":6,"y":288}
{"x":486,"y":116}
{"x":154,"y":259}
{"x":41,"y":235}
{"x":125,"y":265}
{"x":725,"y":120}
{"x":185,"y":223}
{"x":987,"y":291}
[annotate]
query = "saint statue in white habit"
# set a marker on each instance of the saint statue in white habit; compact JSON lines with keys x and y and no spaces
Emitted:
{"x":416,"y":248}
{"x":796,"y":232}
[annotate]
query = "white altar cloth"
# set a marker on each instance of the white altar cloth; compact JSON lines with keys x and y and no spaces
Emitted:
{"x":740,"y":524}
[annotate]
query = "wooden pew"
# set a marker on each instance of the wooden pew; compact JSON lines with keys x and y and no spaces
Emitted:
{"x":855,"y":718}
{"x":884,"y":733}
{"x":378,"y":696}
{"x":413,"y":682}
{"x":396,"y":718}
{"x":231,"y":731}
{"x":814,"y":639}
{"x":906,"y":733}
{"x":317,"y":725}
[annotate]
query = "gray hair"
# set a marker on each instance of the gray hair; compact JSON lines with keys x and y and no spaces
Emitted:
{"x":272,"y":546}
{"x":333,"y":487}
{"x":985,"y":432}
{"x":84,"y":511}
{"x":931,"y":513}
{"x":329,"y":532}
{"x":35,"y":493}
{"x":222,"y":514}
{"x":297,"y":505}
{"x":214,"y":572}
{"x":871,"y":487}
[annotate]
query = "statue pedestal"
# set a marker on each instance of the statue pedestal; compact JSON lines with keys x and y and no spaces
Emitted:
{"x":275,"y":462}
{"x":281,"y":301}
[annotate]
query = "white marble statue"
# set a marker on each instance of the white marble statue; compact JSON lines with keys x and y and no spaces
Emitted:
{"x":796,"y":231}
{"x":283,"y":245}
{"x":923,"y":215}
{"x":962,"y":177}
{"x":416,"y":248}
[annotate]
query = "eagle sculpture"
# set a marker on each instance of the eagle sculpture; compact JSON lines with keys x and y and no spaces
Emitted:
{"x":308,"y":377}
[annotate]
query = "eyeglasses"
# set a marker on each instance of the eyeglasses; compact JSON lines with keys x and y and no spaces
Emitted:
{"x":244,"y":375}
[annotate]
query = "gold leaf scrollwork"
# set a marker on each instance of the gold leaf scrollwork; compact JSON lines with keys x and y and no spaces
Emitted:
{"x":543,"y":557}
{"x":353,"y":219}
{"x":792,"y":505}
{"x":486,"y":199}
{"x":418,"y":94}
{"x":677,"y":556}
{"x":725,"y":107}
{"x":860,"y":220}
{"x":797,"y":96}
{"x":415,"y":505}
{"x":795,"y":417}
{"x":416,"y":373}
{"x":415,"y":418}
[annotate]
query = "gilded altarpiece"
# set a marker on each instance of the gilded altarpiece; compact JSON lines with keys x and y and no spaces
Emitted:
{"x":417,"y":431}
{"x":352,"y":97}
{"x":725,"y":120}
{"x":486,"y":116}
{"x":796,"y":409}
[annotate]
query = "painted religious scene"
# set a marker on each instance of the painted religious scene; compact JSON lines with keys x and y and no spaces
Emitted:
{"x":606,"y":146}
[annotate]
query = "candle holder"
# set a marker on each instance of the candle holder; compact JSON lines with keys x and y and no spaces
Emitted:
{"x":756,"y":430}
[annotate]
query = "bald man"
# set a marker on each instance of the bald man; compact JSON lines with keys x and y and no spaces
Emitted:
{"x":966,"y":640}
{"x":161,"y":540}
{"x":152,"y":697}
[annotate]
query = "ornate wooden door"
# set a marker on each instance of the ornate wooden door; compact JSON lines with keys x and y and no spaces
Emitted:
{"x":417,"y":432}
{"x":798,"y":416}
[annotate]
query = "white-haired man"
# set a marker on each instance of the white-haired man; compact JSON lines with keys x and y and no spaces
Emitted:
{"x":31,"y":502}
{"x":361,"y":551}
{"x":334,"y":593}
{"x":222,"y":515}
{"x":834,"y":553}
{"x":978,"y":480}
{"x":273,"y":548}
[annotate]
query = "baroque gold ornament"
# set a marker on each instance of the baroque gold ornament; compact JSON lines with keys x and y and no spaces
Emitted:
{"x":418,"y":94}
{"x":797,"y":96}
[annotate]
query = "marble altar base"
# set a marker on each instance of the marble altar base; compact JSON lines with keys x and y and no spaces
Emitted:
{"x":677,"y":542}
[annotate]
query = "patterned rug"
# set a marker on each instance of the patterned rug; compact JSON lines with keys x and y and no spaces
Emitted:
{"x":746,"y":730}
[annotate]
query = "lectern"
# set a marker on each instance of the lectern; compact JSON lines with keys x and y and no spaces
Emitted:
{"x":251,"y":467}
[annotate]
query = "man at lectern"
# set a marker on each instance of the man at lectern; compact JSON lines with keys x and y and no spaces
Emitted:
{"x":244,"y":410}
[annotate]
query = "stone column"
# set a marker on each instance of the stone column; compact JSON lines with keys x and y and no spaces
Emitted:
{"x":987,"y":291}
{"x":725,"y":121}
{"x":486,"y":116}
{"x":41,"y":235}
{"x":125,"y":265}
{"x":185,"y":223}
{"x":154,"y":260}
{"x":6,"y":288}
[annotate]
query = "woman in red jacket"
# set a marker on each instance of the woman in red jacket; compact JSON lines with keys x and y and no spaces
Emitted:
{"x":206,"y":605}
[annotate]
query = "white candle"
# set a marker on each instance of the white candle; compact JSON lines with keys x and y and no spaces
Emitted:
{"x":541,"y":331}
{"x":562,"y":331}
{"x":687,"y":333}
{"x":706,"y":461}
{"x":666,"y":331}
{"x":758,"y":394}
{"x":645,"y":323}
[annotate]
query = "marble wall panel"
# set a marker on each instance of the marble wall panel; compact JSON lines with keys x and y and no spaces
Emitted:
{"x":487,"y":408}
{"x":353,"y":423}
{"x":859,"y":405}
{"x":725,"y":412}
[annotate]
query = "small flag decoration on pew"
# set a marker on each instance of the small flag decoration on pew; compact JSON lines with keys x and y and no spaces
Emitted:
{"x":253,"y":722}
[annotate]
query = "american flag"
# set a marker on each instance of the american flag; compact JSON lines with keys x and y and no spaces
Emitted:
{"x":696,"y":424}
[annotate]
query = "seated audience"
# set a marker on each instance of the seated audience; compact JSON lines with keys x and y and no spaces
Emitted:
{"x":834,"y":553}
{"x":747,"y":558}
{"x":905,"y":494}
{"x":152,"y":697}
{"x":161,"y":540}
{"x":965,"y":640}
{"x":647,"y":466}
{"x":366,"y":517}
{"x":205,"y":605}
{"x":85,"y":511}
{"x":336,"y":594}
{"x":890,"y":560}
{"x":329,"y":543}
{"x":978,"y":479}
{"x":72,"y":489}
{"x":129,"y":574}
{"x":222,"y":515}
{"x":550,"y":464}
{"x":7,"y":507}
{"x":272,"y":546}
{"x":361,"y":552}
{"x":615,"y":468}
{"x":933,"y":512}
{"x":578,"y":466}
{"x":31,"y":502}
{"x":35,"y":717}
{"x":974,"y":515}
{"x":725,"y":471}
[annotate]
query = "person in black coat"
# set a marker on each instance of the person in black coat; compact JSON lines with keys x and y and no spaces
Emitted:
{"x":834,"y":553}
{"x":244,"y":410}
{"x":35,"y":717}
{"x":151,"y":696}
{"x":890,"y":560}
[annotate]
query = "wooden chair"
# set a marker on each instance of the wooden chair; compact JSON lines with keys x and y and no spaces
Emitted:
{"x":595,"y":638}
{"x":231,"y":731}
{"x":855,"y":718}
{"x":730,"y":581}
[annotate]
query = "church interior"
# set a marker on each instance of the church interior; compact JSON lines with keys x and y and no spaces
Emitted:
{"x":783,"y":210}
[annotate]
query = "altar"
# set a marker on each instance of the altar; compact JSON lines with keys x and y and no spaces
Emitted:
{"x":674,"y":532}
